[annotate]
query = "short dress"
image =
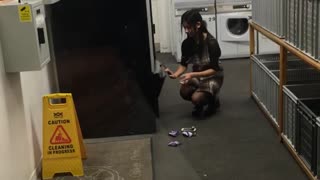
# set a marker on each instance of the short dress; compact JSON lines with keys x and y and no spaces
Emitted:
{"x":209,"y":59}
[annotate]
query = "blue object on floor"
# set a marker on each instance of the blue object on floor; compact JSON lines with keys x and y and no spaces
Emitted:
{"x":174,"y":143}
{"x":188,"y":134}
{"x":173,"y":133}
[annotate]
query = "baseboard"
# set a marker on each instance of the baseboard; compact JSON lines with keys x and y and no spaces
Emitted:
{"x":36,"y":173}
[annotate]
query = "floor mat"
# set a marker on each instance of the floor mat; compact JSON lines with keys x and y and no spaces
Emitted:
{"x":117,"y":160}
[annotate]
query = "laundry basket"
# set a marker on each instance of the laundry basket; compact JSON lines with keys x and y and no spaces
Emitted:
{"x":273,"y":57}
{"x":308,"y":133}
{"x":291,"y":95}
{"x":291,"y":64}
{"x":265,"y":83}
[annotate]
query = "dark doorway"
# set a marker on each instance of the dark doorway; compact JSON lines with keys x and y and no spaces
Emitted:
{"x":103,"y":58}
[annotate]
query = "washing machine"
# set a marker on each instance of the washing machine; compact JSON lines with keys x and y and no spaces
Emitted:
{"x":208,"y":15}
{"x":233,"y":30}
{"x":233,"y":1}
{"x":188,"y":4}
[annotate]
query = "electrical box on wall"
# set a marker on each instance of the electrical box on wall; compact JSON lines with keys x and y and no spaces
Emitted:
{"x":23,"y":35}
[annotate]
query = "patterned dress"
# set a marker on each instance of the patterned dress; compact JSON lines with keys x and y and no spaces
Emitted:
{"x":209,"y":59}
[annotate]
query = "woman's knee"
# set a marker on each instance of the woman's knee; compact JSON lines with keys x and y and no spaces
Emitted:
{"x":186,"y":92}
{"x":185,"y":96}
{"x":200,"y":98}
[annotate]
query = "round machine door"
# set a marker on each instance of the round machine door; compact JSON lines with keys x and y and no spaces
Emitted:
{"x":234,"y":28}
{"x":238,"y":26}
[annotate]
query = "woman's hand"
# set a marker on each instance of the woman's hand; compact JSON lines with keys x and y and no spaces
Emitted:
{"x":186,"y":77}
{"x":176,"y":74}
{"x":170,"y":73}
{"x":173,"y":76}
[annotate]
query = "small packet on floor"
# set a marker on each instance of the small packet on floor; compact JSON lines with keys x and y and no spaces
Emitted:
{"x":174,"y":143}
{"x":188,"y":133}
{"x":192,"y":129}
{"x":173,"y":133}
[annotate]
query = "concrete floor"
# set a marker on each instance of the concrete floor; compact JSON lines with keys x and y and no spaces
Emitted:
{"x":236,"y":143}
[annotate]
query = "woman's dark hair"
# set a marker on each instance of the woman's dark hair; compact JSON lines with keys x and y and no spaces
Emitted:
{"x":192,"y":17}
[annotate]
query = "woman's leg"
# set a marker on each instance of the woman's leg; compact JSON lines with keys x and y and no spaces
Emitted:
{"x":214,"y":101}
{"x":201,"y":98}
{"x":188,"y":89}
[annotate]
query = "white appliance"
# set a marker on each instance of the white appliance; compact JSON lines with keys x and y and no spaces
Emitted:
{"x":188,"y":4}
{"x":208,"y":15}
{"x":265,"y":46}
{"x":23,"y":34}
{"x":233,"y":1}
{"x":233,"y":30}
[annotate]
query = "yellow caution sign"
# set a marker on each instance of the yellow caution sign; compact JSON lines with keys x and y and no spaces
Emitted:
{"x":25,"y":14}
{"x":63,"y":147}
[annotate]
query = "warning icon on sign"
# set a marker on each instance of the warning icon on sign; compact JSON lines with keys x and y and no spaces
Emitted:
{"x":60,"y":136}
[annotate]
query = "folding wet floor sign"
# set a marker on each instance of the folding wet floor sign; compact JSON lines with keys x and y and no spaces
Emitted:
{"x":63,"y":147}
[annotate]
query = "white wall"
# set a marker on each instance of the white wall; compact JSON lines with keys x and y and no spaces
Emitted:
{"x":164,"y":25}
{"x":21,"y":120}
{"x":155,"y":19}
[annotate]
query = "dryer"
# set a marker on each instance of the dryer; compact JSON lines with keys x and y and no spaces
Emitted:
{"x":233,"y":30}
{"x":188,"y":4}
{"x":233,"y":1}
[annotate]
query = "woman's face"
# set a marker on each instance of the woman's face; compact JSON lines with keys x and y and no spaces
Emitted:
{"x":190,"y":30}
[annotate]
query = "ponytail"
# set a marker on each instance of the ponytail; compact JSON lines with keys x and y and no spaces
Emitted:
{"x":204,"y":27}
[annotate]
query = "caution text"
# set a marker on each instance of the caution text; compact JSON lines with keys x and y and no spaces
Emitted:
{"x":63,"y":121}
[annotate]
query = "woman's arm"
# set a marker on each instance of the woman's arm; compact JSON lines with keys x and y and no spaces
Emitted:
{"x":181,"y":69}
{"x":214,"y":53}
{"x":187,"y":50}
{"x":205,"y":73}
